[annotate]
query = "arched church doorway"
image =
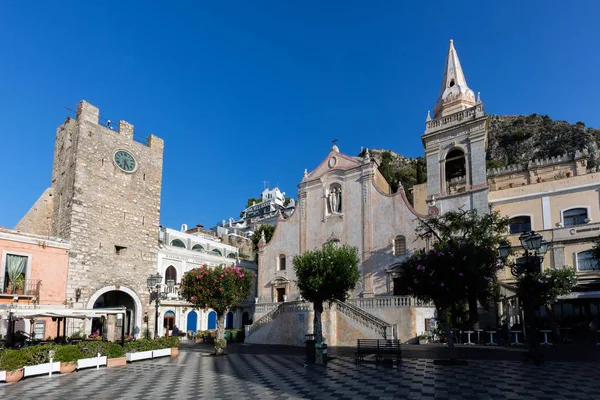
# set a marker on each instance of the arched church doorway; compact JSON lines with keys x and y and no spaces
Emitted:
{"x":116,"y":299}
{"x":212,"y":320}
{"x":192,"y":321}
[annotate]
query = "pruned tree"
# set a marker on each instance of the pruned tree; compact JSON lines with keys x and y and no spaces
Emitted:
{"x":479,"y":236}
{"x":326,"y":274}
{"x":545,"y":287}
{"x":221,"y":289}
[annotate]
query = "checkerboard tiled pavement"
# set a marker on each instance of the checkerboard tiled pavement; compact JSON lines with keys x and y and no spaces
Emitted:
{"x":277,"y":376}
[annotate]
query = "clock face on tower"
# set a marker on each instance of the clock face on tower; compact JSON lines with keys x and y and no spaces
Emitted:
{"x":125,"y":161}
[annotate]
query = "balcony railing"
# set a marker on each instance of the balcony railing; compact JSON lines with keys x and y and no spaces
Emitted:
{"x":28,"y":287}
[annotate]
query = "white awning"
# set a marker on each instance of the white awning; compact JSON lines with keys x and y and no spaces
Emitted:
{"x":32,"y":313}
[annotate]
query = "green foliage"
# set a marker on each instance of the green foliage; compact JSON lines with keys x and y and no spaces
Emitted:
{"x":168,"y":341}
{"x":461,"y":268}
{"x":491,"y":164}
{"x":91,"y":349}
{"x":39,"y":354}
{"x":115,"y":351}
{"x":11,"y":360}
{"x":68,"y":353}
{"x":253,"y":200}
{"x":546,"y":286}
{"x":517,"y":140}
{"x":399,"y":171}
{"x":327,"y":274}
{"x":268,"y":230}
{"x":219,"y":288}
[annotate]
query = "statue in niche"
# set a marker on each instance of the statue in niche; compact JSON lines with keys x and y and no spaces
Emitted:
{"x":335,"y":200}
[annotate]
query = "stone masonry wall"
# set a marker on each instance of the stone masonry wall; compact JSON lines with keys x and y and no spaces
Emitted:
{"x":110,"y":217}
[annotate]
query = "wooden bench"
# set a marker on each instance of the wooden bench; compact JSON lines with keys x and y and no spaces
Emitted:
{"x":379,"y":347}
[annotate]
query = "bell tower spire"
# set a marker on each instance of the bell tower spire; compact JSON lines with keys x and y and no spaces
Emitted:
{"x":455,"y":95}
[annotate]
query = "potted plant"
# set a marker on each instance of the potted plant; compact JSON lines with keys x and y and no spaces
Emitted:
{"x":39,"y":360}
{"x":93,"y":353}
{"x":11,"y":365}
{"x":423,"y":338}
{"x":19,"y":284}
{"x":234,"y":335}
{"x":68,"y":356}
{"x":174,"y":345}
{"x":200,"y":337}
{"x":139,"y":349}
{"x":116,"y":356}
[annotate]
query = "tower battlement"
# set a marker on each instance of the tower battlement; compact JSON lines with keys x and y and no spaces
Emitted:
{"x":87,"y":112}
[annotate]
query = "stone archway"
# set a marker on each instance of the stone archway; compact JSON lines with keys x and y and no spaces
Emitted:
{"x":138,"y":311}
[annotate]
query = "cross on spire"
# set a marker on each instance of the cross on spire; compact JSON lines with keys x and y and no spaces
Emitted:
{"x":334,"y":141}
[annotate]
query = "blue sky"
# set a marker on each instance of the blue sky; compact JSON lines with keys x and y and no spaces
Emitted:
{"x":252,"y":91}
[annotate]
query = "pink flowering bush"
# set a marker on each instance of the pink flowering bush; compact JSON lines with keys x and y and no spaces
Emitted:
{"x":221,"y":289}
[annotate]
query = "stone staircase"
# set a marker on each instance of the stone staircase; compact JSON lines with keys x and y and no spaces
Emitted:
{"x":377,"y":326}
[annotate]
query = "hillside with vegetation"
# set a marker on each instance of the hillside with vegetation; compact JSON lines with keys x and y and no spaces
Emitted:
{"x":511,"y":140}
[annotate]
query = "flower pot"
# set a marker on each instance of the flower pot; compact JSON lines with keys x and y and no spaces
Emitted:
{"x":234,"y":335}
{"x":14,"y":376}
{"x":91,"y":362}
{"x":140,"y":355}
{"x":116,"y":362}
{"x":41,"y":369}
{"x":200,"y":340}
{"x":2,"y":376}
{"x":67,"y":368}
{"x":161,"y":353}
{"x":174,"y":351}
{"x":569,"y":174}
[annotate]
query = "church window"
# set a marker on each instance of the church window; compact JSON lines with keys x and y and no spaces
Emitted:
{"x":575,"y":216}
{"x":451,"y":82}
{"x":217,"y":252}
{"x":519,"y":224}
{"x":178,"y":243}
{"x":198,"y":247}
{"x":171,"y":275}
{"x":456,"y":171}
{"x":281,"y":265}
{"x":400,"y":245}
{"x":231,"y":255}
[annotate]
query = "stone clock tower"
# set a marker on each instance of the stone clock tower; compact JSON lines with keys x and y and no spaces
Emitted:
{"x":104,"y":200}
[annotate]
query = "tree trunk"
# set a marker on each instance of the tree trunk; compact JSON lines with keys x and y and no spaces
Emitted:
{"x":220,"y":342}
{"x":444,"y":319}
{"x":317,"y":328}
{"x":553,"y":323}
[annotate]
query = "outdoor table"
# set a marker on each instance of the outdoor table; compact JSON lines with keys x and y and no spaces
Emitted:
{"x":546,"y":342}
{"x":469,"y":337}
{"x":478,"y":335}
{"x":491,"y":343}
{"x":516,"y":342}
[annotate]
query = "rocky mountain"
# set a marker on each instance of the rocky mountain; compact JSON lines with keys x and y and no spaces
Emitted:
{"x":519,"y":139}
{"x":511,"y":140}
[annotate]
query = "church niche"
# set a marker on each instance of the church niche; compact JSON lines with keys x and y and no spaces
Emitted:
{"x":334,"y":199}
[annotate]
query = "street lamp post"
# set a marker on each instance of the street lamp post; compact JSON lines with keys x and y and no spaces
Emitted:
{"x":535,"y":248}
{"x":156,"y":295}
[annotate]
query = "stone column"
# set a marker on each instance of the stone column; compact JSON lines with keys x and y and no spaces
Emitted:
{"x":367,"y":232}
{"x":110,"y":328}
